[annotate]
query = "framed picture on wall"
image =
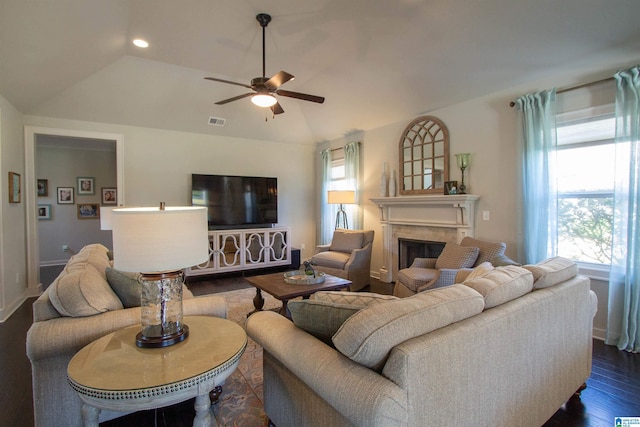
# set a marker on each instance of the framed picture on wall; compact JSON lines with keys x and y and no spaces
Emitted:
{"x":86,"y":185}
{"x":44,"y":211}
{"x":43,"y":188}
{"x":88,"y":211}
{"x":109,"y":196}
{"x":451,"y":187}
{"x":65,"y":196}
{"x":14,"y":187}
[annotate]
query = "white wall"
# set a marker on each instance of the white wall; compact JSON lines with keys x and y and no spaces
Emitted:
{"x":158,"y":165}
{"x":13,"y":264}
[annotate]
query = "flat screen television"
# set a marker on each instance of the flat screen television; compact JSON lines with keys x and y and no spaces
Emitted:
{"x":236,"y":201}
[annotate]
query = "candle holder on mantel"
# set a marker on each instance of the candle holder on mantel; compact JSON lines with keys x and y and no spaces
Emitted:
{"x":463,"y":159}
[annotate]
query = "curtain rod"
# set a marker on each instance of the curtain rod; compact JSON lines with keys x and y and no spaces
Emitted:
{"x":568,"y":89}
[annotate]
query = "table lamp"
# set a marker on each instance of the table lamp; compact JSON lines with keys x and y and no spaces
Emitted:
{"x":463,"y":160}
{"x":341,"y":198}
{"x":158,"y":243}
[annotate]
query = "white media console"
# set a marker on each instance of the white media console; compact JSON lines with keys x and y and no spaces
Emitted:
{"x":245,"y":249}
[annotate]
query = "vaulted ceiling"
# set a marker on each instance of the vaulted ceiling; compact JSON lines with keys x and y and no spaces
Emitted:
{"x":375,"y":61}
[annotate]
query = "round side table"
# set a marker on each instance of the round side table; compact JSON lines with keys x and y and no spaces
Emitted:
{"x":113,"y":373}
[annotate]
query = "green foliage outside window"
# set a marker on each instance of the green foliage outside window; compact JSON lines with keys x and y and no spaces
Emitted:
{"x":585,"y":229}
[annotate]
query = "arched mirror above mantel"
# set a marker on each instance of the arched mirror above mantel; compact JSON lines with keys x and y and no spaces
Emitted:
{"x":424,"y":156}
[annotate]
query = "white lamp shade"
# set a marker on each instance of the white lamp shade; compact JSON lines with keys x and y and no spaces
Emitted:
{"x":150,"y":240}
{"x":344,"y":197}
{"x":106,"y":222}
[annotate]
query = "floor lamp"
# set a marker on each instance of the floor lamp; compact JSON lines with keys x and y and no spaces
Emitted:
{"x":341,"y":198}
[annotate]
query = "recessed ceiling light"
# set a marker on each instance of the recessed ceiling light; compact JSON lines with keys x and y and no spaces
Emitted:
{"x":141,"y":43}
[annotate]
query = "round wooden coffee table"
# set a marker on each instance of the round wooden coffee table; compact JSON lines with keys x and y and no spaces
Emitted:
{"x":113,"y":373}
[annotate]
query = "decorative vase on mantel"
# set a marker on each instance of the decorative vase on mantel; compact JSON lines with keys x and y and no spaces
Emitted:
{"x":383,"y":181}
{"x":392,"y":184}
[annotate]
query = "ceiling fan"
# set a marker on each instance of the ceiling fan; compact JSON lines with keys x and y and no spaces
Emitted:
{"x":265,"y":88}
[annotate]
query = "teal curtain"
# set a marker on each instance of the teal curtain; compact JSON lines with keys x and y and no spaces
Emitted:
{"x":352,"y":176}
{"x":538,"y":124}
{"x":624,"y":289}
{"x":327,"y":211}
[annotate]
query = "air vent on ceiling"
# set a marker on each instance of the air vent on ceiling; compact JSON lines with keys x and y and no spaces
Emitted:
{"x":216,"y":121}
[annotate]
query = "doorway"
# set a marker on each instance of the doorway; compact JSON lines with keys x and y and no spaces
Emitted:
{"x":32,"y":136}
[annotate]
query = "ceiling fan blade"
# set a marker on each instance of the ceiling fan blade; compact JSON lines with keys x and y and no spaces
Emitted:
{"x":235,"y":98}
{"x":303,"y":96}
{"x":228,"y":81}
{"x":278,"y":80}
{"x":277,"y":108}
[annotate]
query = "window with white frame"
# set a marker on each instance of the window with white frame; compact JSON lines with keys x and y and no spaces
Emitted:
{"x":585,"y":161}
{"x":338,"y":175}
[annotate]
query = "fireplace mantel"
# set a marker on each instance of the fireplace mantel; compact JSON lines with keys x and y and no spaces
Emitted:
{"x":431,"y":217}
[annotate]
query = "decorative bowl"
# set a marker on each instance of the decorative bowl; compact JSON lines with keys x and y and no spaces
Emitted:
{"x":298,"y":277}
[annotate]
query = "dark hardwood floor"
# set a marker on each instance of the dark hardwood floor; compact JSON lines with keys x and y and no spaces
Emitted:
{"x":613,"y":390}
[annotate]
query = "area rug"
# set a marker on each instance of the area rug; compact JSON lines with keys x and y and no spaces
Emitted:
{"x":240,"y":404}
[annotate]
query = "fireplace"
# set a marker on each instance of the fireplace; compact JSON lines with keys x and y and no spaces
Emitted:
{"x":410,"y":249}
{"x":429,"y":218}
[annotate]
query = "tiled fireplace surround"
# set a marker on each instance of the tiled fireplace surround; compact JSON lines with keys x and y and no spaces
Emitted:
{"x":437,"y":218}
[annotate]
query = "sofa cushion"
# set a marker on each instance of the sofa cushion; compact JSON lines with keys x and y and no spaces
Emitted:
{"x":501,"y":284}
{"x":82,"y":292}
{"x":324,"y":312}
{"x":95,"y":254}
{"x":346,"y":241}
{"x":368,"y":336}
{"x":480,"y":271}
{"x":414,"y":277}
{"x":352,"y":298}
{"x":455,"y":256}
{"x":321,"y":318}
{"x":488,"y":250}
{"x":128,"y":289}
{"x":331,"y":259}
{"x":125,"y":285}
{"x":552,"y":271}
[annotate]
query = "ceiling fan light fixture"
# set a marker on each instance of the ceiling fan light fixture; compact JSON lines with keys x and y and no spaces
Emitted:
{"x":263,"y":100}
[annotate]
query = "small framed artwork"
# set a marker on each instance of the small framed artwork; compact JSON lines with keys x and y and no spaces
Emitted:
{"x":88,"y":211}
{"x":451,"y":187}
{"x":86,"y":185}
{"x":43,"y":188}
{"x":65,"y":196}
{"x":109,"y":196}
{"x":14,"y":187}
{"x":44,"y":211}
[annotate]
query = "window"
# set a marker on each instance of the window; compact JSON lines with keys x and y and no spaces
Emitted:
{"x":585,"y":161}
{"x":338,"y":174}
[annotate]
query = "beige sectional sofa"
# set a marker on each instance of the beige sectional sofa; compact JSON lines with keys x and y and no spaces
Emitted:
{"x":80,"y":306}
{"x":509,"y":346}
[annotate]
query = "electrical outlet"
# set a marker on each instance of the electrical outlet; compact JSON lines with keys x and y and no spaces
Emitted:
{"x":65,"y":248}
{"x":485,"y":215}
{"x":302,"y":246}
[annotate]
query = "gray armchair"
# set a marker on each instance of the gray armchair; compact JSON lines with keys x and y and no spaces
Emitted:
{"x":452,"y":266}
{"x":347,"y":256}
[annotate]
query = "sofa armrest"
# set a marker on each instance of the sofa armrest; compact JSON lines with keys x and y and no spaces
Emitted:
{"x":322,"y":248}
{"x":424,"y":263}
{"x":67,"y":335}
{"x":358,"y":393}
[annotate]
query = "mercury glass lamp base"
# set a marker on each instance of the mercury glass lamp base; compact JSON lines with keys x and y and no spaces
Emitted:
{"x":163,"y":341}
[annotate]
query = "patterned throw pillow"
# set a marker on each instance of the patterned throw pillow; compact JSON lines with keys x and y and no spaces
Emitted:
{"x":455,"y":256}
{"x":321,"y":318}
